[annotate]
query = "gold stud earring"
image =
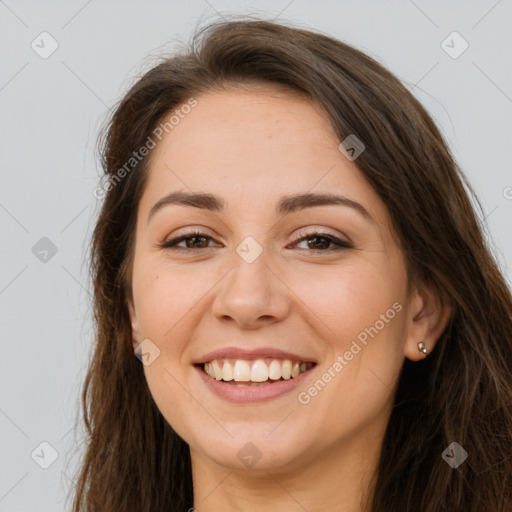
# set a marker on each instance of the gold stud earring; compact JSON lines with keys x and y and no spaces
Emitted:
{"x":422,"y":347}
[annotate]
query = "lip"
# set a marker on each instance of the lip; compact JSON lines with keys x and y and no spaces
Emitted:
{"x":250,"y":355}
{"x":252,"y":394}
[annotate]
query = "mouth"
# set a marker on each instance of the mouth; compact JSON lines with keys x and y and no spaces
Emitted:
{"x":259,"y":372}
{"x":239,"y":375}
{"x":246,"y":381}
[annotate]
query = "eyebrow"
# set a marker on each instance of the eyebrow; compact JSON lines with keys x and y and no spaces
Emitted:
{"x":286,"y":205}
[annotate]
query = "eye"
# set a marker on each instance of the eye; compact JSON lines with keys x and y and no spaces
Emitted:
{"x":321,"y":242}
{"x":199,"y":241}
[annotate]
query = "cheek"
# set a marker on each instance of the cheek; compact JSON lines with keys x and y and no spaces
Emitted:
{"x":163,"y":295}
{"x":347,"y":298}
{"x":360,"y":307}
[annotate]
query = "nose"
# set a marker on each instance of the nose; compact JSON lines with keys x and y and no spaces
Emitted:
{"x":251,"y":295}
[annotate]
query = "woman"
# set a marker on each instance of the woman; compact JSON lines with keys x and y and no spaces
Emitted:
{"x":287,"y":246}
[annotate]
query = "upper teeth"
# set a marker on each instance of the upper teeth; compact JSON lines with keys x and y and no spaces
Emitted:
{"x":256,"y":371}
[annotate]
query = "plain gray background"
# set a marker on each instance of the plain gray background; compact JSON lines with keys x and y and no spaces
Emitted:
{"x":51,"y":109}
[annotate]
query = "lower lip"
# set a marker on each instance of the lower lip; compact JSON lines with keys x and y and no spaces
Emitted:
{"x":252,"y":394}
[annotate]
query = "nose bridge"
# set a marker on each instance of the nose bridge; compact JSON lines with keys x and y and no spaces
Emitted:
{"x":251,"y":292}
{"x":251,"y":267}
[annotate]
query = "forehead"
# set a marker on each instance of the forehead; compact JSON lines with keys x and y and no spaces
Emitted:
{"x":245,"y":145}
{"x":256,"y":127}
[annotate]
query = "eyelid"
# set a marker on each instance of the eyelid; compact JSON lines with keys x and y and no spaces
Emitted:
{"x":189,"y":231}
{"x":315,"y":230}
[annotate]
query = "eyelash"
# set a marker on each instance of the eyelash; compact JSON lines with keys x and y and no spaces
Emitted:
{"x":341,"y":244}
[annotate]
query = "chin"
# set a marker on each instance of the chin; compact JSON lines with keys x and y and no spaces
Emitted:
{"x":251,"y":451}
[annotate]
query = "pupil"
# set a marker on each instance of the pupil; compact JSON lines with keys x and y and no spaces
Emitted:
{"x":316,"y":246}
{"x":191,"y":244}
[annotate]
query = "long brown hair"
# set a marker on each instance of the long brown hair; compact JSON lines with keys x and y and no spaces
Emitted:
{"x":462,"y":392}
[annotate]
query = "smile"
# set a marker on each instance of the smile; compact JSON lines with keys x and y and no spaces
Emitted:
{"x":253,"y":381}
{"x":258,"y":372}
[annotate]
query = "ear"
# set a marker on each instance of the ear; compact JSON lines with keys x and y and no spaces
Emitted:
{"x":428,"y":317}
{"x":136,"y":335}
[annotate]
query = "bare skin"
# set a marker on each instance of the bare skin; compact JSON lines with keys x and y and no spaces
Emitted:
{"x":301,"y":295}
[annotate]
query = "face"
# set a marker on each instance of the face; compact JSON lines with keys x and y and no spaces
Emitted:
{"x":259,"y":279}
